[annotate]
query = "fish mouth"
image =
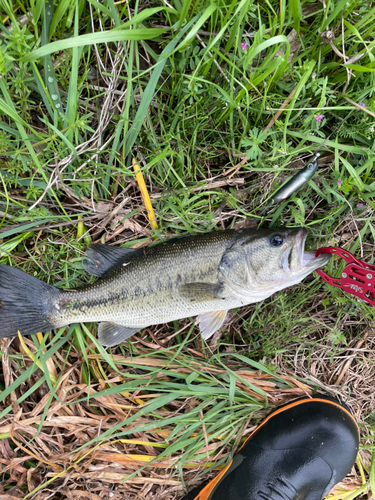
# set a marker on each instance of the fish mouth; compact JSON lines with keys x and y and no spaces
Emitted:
{"x":297,"y":259}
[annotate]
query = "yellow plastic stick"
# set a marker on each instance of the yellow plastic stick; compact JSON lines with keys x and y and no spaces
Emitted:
{"x":145,"y":195}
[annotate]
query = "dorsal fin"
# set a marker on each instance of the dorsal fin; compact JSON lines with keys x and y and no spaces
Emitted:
{"x":100,"y":258}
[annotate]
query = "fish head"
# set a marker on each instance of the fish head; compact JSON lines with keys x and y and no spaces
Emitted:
{"x":278,"y":257}
{"x":264,"y":261}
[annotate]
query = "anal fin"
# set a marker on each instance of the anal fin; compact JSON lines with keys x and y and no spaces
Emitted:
{"x":111,"y":334}
{"x":210,"y":322}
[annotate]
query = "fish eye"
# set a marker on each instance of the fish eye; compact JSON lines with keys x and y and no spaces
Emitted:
{"x":276,"y":240}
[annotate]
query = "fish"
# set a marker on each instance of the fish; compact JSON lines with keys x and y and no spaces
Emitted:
{"x":202,"y":275}
{"x":294,"y":183}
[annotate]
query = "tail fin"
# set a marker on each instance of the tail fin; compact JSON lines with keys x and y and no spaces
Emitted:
{"x":24,"y":303}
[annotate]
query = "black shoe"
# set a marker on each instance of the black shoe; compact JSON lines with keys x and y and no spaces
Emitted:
{"x":299,"y":452}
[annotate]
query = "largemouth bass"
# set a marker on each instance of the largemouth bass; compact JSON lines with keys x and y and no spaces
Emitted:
{"x":203,"y":275}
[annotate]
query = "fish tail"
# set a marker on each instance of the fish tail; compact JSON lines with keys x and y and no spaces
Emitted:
{"x":24,"y":303}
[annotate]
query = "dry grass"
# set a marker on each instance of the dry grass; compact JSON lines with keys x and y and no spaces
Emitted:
{"x":67,"y":465}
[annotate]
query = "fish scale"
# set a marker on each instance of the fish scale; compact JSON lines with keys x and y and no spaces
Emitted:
{"x":146,"y":291}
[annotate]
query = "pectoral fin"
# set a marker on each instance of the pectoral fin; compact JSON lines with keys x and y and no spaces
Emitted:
{"x":99,"y":258}
{"x":111,"y":334}
{"x":210,"y":322}
{"x":201,"y":292}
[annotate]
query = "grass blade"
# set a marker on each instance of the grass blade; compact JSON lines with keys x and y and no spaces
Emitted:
{"x":93,"y":38}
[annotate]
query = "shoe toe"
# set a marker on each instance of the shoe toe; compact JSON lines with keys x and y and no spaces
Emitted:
{"x":299,"y":452}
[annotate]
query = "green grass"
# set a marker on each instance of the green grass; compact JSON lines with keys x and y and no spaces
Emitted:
{"x":87,"y":86}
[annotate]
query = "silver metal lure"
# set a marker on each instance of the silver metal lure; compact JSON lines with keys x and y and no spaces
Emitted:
{"x":295,"y":183}
{"x":300,"y":178}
